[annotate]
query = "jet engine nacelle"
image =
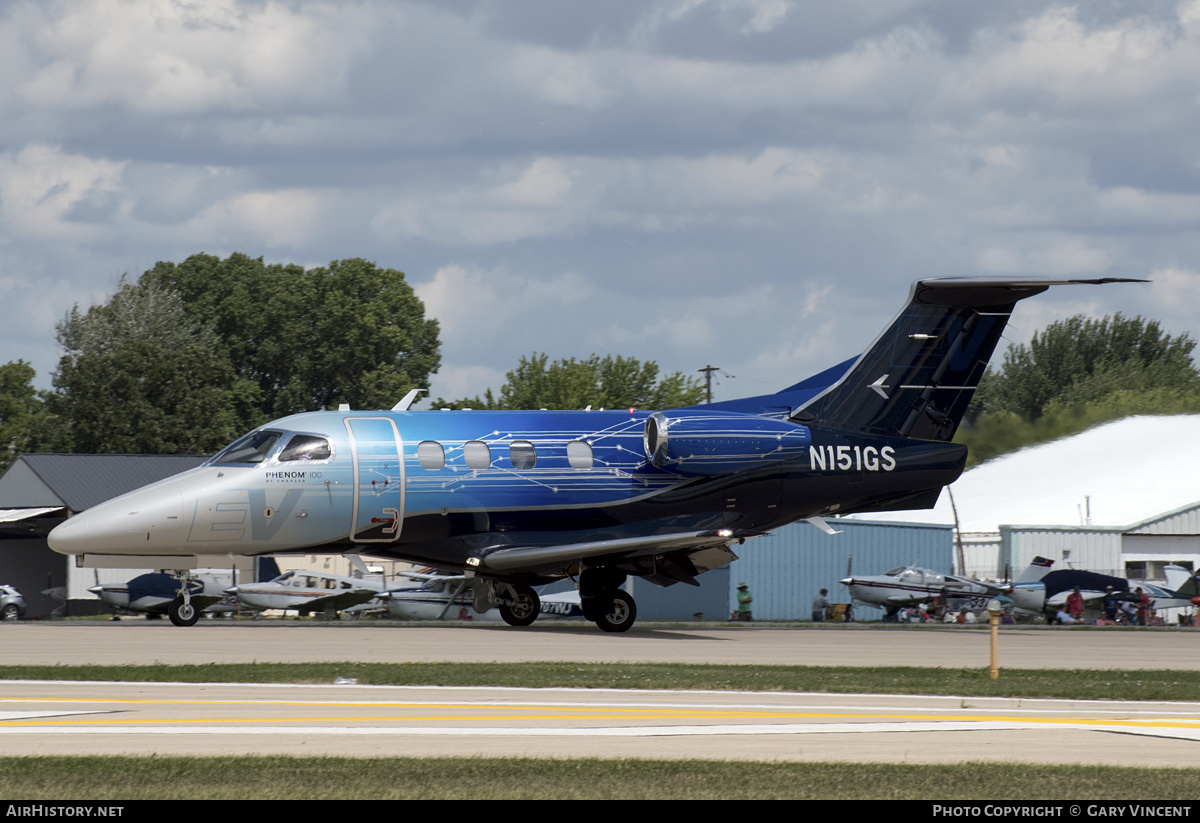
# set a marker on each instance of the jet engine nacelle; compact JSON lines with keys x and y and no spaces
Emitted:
{"x":712,"y":443}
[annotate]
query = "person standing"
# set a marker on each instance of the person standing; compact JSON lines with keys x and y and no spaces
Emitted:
{"x":1111,"y":604}
{"x":1143,"y":606}
{"x":744,"y":599}
{"x":1075,"y":604}
{"x":820,"y":607}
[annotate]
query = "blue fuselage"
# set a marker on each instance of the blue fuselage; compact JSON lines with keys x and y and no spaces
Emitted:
{"x":439,"y":487}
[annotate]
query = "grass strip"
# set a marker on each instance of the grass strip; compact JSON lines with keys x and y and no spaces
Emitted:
{"x":329,"y":778}
{"x":1079,"y":684}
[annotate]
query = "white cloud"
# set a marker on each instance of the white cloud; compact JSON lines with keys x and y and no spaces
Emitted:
{"x":655,"y":152}
{"x":455,"y":382}
{"x":176,"y":57}
{"x":1177,"y":291}
{"x":472,"y":304}
{"x":41,"y":186}
{"x":1044,"y":253}
{"x":1126,"y":205}
{"x":268,"y":218}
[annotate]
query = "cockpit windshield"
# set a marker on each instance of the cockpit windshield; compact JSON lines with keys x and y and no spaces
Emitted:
{"x":253,"y":448}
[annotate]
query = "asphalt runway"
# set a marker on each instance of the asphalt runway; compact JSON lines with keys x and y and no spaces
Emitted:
{"x":140,"y":642}
{"x":139,"y":718}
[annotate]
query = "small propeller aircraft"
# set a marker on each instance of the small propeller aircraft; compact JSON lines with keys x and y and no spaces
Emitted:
{"x":442,"y":597}
{"x":307,"y":591}
{"x":1042,"y":591}
{"x":153,"y":593}
{"x":515,"y":499}
{"x":910,"y":585}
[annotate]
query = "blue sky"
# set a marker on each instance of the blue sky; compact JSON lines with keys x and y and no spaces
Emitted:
{"x":751,"y":184}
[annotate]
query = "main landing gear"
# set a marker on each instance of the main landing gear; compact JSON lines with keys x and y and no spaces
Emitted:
{"x":522,"y":607}
{"x":603,"y":602}
{"x":600,"y":596}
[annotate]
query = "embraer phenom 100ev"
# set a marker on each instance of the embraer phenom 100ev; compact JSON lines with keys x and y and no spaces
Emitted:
{"x":514,"y":499}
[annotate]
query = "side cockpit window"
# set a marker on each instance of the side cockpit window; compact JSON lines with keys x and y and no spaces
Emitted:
{"x":306,"y":447}
{"x":253,"y":448}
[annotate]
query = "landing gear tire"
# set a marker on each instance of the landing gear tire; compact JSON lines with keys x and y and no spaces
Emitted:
{"x":619,"y":616}
{"x":525,"y":608}
{"x":182,"y":614}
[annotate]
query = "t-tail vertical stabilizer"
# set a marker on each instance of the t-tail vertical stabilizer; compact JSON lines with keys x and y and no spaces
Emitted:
{"x":918,"y":377}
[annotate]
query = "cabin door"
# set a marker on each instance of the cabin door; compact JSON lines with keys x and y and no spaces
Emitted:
{"x":378,"y":454}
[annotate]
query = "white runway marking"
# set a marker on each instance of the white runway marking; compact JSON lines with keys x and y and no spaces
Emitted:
{"x":618,"y":731}
{"x":215,"y":719}
{"x":5,"y":716}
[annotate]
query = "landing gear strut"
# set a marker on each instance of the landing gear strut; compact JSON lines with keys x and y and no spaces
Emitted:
{"x":519,"y":605}
{"x":182,"y":611}
{"x":603,"y":602}
{"x":523,"y":607}
{"x":620,"y":615}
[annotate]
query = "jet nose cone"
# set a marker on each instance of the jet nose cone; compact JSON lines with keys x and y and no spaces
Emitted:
{"x":137,"y":523}
{"x":69,"y":537}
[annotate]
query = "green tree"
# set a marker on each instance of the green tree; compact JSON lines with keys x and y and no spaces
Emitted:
{"x":146,"y":398}
{"x":1081,"y":360}
{"x":19,"y":407}
{"x":600,"y":382}
{"x":139,"y":375}
{"x":1075,"y":374}
{"x":349,"y":332}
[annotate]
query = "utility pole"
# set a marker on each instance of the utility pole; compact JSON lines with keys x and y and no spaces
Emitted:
{"x":708,"y":370}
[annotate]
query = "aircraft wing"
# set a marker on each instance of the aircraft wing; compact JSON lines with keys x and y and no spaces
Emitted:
{"x":343,"y":599}
{"x":1060,"y":599}
{"x":429,"y":576}
{"x":908,"y":599}
{"x":662,"y":558}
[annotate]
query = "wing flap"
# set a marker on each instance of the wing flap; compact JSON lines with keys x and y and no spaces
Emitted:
{"x":530,"y":558}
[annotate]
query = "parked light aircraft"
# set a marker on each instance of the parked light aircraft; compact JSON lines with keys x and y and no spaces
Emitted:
{"x":909,"y":585}
{"x":308,"y":591}
{"x":1041,"y":590}
{"x":153,"y":593}
{"x":442,"y":597}
{"x":513,"y":499}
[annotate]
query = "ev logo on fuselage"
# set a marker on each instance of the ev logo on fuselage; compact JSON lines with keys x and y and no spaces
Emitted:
{"x":851,"y":458}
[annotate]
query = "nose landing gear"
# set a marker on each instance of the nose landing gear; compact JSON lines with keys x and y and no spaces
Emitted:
{"x":182,"y":611}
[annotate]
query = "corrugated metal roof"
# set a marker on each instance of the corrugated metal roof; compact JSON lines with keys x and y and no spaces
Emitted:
{"x":1117,"y":474}
{"x":1185,"y":520}
{"x":81,"y":481}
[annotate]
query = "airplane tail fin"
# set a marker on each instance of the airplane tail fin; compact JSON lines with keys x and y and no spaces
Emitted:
{"x":1182,"y":580}
{"x":1036,"y":570}
{"x":918,"y":377}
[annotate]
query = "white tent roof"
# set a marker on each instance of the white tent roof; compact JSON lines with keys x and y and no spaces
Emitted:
{"x":1125,"y":471}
